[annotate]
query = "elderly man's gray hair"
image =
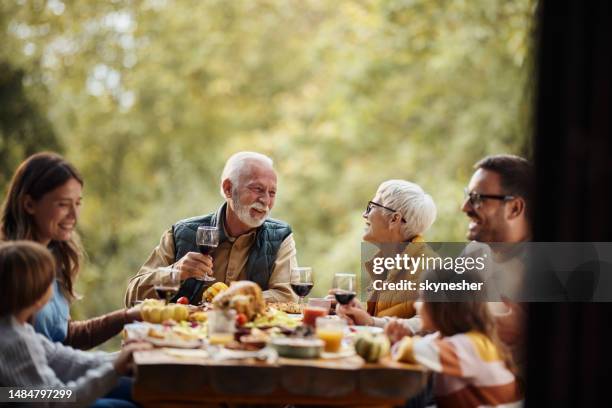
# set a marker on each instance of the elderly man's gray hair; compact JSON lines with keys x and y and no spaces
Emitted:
{"x":415,"y":205}
{"x":237,"y":164}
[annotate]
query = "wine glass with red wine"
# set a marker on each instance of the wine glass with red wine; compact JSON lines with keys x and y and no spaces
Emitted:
{"x":345,"y":290}
{"x":167,"y":283}
{"x":207,"y":239}
{"x":301,"y":281}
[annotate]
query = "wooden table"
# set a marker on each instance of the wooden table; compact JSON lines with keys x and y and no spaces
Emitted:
{"x":164,"y":380}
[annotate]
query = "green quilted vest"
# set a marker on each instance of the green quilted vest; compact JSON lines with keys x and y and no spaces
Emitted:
{"x":262,"y":254}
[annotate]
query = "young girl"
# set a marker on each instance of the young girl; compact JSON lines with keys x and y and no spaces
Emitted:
{"x":473,"y":369}
{"x":27,"y":272}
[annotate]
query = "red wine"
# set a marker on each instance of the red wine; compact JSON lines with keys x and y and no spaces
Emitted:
{"x":344,"y":297}
{"x":165,"y":292}
{"x":206,"y":249}
{"x":302,"y":289}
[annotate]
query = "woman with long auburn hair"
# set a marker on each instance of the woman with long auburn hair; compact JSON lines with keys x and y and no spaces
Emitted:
{"x":43,"y":205}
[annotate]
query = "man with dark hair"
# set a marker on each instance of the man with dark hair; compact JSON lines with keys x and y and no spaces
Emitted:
{"x":499,"y":200}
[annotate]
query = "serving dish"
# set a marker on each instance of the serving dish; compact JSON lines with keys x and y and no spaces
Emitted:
{"x":297,"y":347}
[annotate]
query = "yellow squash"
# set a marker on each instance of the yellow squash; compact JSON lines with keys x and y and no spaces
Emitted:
{"x":214,"y":290}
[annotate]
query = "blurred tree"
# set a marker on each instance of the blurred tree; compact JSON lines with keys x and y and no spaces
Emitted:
{"x":150,"y":97}
{"x":24,"y":129}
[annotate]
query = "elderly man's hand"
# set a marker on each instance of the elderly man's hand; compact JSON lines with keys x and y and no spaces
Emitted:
{"x":355,"y":312}
{"x":195,"y":265}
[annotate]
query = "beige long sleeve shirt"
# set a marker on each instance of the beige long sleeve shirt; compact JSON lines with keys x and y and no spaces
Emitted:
{"x":229,"y":264}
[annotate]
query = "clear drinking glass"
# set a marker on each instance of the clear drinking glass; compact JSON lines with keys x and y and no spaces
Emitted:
{"x":316,"y":307}
{"x":301,"y":281}
{"x":207,"y":239}
{"x":221,"y":326}
{"x":167,"y":282}
{"x":331,"y":331}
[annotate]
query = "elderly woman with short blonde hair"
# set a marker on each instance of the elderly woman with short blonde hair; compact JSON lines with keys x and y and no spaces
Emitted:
{"x":400,"y":213}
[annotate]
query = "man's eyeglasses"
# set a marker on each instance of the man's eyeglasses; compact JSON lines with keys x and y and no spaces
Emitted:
{"x":476,"y":199}
{"x":372,"y":204}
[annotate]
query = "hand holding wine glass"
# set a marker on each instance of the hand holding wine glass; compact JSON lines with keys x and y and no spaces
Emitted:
{"x":301,"y":281}
{"x":355,"y":313}
{"x":195,"y":265}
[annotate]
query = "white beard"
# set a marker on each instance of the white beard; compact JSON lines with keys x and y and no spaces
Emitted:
{"x":244,"y":215}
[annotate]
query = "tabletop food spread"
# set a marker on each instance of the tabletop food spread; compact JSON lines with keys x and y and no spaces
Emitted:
{"x":256,"y":325}
{"x":233,"y":326}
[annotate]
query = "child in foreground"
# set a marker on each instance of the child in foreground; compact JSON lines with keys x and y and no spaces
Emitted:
{"x":472,"y":367}
{"x":28,"y":359}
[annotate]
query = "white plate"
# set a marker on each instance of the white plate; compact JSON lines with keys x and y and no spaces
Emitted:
{"x":138,"y":330}
{"x":365,"y":329}
{"x":185,"y":344}
{"x":186,"y":353}
{"x":266,"y":353}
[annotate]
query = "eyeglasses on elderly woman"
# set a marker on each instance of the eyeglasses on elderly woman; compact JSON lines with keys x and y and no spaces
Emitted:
{"x":372,"y":204}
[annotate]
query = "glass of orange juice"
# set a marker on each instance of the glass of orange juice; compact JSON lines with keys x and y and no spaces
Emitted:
{"x":331,"y":331}
{"x":221,"y":326}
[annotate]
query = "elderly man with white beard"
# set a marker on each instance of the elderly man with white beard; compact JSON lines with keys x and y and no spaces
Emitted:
{"x":251,"y":245}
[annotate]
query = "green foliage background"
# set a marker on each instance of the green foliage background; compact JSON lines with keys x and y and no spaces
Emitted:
{"x":149,"y":97}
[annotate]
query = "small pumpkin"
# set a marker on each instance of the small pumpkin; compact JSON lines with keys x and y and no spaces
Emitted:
{"x":372,"y":348}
